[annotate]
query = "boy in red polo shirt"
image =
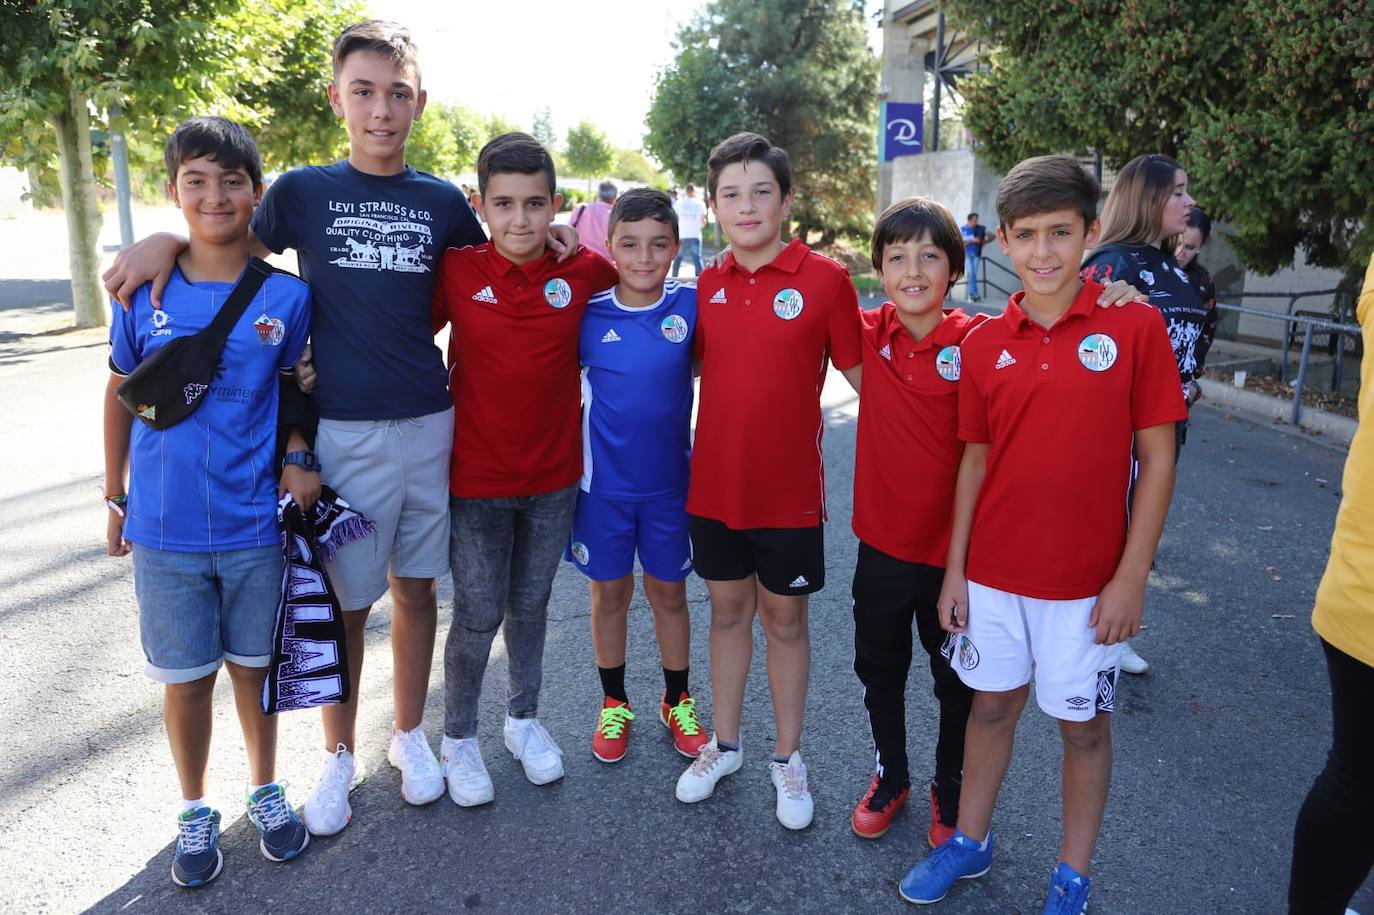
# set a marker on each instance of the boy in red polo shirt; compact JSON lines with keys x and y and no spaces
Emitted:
{"x":770,"y":319}
{"x":517,"y":450}
{"x":1046,"y":570}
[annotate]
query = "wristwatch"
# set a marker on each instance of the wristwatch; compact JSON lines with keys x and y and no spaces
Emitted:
{"x":303,"y":459}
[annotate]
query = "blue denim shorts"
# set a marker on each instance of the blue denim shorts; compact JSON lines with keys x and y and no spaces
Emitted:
{"x":196,"y":610}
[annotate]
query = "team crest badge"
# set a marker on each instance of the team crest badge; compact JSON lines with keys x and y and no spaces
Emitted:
{"x":674,"y":328}
{"x":968,"y":655}
{"x":271,"y":331}
{"x":580,"y":552}
{"x":947,"y":363}
{"x":788,"y":303}
{"x":1097,"y":352}
{"x":558,"y":293}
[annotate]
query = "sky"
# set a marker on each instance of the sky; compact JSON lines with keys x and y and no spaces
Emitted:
{"x":592,"y":60}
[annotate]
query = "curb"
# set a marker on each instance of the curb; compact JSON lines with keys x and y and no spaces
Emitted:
{"x":1338,"y":429}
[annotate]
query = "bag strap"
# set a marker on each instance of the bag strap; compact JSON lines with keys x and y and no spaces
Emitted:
{"x":577,"y":214}
{"x":239,"y":298}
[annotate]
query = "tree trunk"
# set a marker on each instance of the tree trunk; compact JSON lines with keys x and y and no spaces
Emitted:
{"x":72,"y":127}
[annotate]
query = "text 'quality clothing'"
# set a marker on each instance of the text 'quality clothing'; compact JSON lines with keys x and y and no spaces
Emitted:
{"x":513,"y":367}
{"x":369,"y":246}
{"x":208,"y":483}
{"x":764,"y":339}
{"x":637,"y":395}
{"x":907,"y":457}
{"x":1059,"y":408}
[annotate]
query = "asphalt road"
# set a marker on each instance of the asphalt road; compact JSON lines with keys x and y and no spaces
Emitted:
{"x":1216,"y":746}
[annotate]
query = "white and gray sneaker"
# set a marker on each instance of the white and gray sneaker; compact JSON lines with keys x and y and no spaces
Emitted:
{"x":531,"y":744}
{"x":422,"y":781}
{"x":1131,"y":662}
{"x":795,"y":806}
{"x":469,"y":785}
{"x":713,"y":764}
{"x":326,"y":810}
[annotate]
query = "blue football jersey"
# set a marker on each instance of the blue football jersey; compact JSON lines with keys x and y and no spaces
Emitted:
{"x":637,"y":395}
{"x":207,"y":484}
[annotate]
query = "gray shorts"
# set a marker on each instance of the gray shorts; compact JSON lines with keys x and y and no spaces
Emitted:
{"x":394,"y":471}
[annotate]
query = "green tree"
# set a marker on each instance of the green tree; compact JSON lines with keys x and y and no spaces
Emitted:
{"x":588,"y":152}
{"x":433,"y":143}
{"x":797,"y":71}
{"x":495,"y":125}
{"x":633,"y":165}
{"x":542,"y":129}
{"x":1265,"y":105}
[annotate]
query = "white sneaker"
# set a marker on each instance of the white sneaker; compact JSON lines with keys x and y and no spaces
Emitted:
{"x":531,"y":744}
{"x":422,"y":781}
{"x":326,"y":810}
{"x":699,"y":781}
{"x":469,"y":785}
{"x":1131,"y":662}
{"x":795,"y":806}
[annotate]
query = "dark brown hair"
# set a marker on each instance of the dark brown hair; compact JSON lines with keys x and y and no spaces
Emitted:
{"x":912,"y":218}
{"x":514,"y":153}
{"x":389,"y":39}
{"x":746,"y":148}
{"x":1045,"y":184}
{"x":218,"y":139}
{"x":642,"y":203}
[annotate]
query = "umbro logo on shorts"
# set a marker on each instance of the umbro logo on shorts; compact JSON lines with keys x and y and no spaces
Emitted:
{"x":799,"y":582}
{"x":610,"y":336}
{"x":1077,"y":703}
{"x":486,"y":295}
{"x":1106,"y":690}
{"x":719,"y":297}
{"x":1005,"y":360}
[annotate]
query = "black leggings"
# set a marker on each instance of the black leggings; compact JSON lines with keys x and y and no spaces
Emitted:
{"x":1333,"y":842}
{"x":888,"y":594}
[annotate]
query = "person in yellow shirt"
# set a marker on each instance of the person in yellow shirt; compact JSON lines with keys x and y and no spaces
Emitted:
{"x":1333,"y":845}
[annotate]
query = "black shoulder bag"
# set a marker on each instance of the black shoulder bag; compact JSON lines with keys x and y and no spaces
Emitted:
{"x":170,"y":384}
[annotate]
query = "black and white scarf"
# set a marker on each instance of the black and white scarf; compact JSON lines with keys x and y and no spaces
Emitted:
{"x":309,"y":659}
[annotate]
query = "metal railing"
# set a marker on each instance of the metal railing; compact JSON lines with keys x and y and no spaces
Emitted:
{"x":1310,"y":325}
{"x":1343,"y":304}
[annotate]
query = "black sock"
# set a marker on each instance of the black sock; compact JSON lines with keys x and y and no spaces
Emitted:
{"x":675,"y":683}
{"x":726,"y":746}
{"x":613,"y":682}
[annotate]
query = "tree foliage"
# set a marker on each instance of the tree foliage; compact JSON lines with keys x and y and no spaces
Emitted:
{"x":588,"y":152}
{"x":797,"y":71}
{"x":542,"y":129}
{"x":1266,"y":105}
{"x":633,"y":165}
{"x":446,"y":139}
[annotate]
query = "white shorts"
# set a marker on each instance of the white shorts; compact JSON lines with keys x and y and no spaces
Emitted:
{"x":1008,"y":636}
{"x":394,"y":471}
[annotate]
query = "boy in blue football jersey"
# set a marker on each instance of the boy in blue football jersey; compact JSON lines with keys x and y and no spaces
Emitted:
{"x":200,"y":508}
{"x":636,"y":352}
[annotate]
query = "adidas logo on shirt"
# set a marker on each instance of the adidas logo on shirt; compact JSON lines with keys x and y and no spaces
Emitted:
{"x":486,"y":295}
{"x":610,"y":336}
{"x":886,"y":352}
{"x":799,"y":582}
{"x":719,"y":297}
{"x":1005,"y":360}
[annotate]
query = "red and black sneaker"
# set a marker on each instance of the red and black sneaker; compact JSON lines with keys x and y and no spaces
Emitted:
{"x":878,"y":808}
{"x":681,"y":721}
{"x":944,"y":812}
{"x":612,"y":736}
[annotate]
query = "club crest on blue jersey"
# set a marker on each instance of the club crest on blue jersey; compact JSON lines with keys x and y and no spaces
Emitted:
{"x":788,"y":303}
{"x":271,"y":331}
{"x":558,"y":293}
{"x":1097,"y":352}
{"x":947,"y":363}
{"x":674,"y":328}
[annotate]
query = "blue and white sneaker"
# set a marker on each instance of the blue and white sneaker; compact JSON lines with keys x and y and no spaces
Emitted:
{"x":283,"y":834}
{"x":197,"y":859}
{"x":1068,"y":892}
{"x":961,"y":858}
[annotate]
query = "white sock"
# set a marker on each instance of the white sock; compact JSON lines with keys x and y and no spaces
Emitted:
{"x":192,"y":805}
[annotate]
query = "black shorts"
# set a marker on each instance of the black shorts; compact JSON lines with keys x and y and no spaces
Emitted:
{"x":787,"y":560}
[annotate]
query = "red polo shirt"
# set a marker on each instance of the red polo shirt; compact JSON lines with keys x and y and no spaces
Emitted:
{"x":513,"y":369}
{"x":763,"y":338}
{"x":1060,"y":408}
{"x":907,"y":457}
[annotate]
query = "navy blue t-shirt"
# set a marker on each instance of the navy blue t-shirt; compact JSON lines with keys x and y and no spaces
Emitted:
{"x":368,"y":246}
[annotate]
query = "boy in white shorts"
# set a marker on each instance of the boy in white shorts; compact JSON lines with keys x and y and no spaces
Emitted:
{"x":1047,"y":568}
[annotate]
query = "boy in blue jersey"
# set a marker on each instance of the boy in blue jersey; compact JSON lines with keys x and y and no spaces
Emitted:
{"x":636,"y":351}
{"x":199,"y":512}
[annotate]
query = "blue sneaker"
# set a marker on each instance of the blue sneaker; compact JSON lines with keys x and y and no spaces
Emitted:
{"x":960,"y":858}
{"x":197,"y":859}
{"x":1068,"y":892}
{"x":283,"y":833}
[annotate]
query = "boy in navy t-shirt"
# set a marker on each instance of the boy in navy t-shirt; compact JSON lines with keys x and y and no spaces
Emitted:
{"x":636,"y":350}
{"x":200,"y":507}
